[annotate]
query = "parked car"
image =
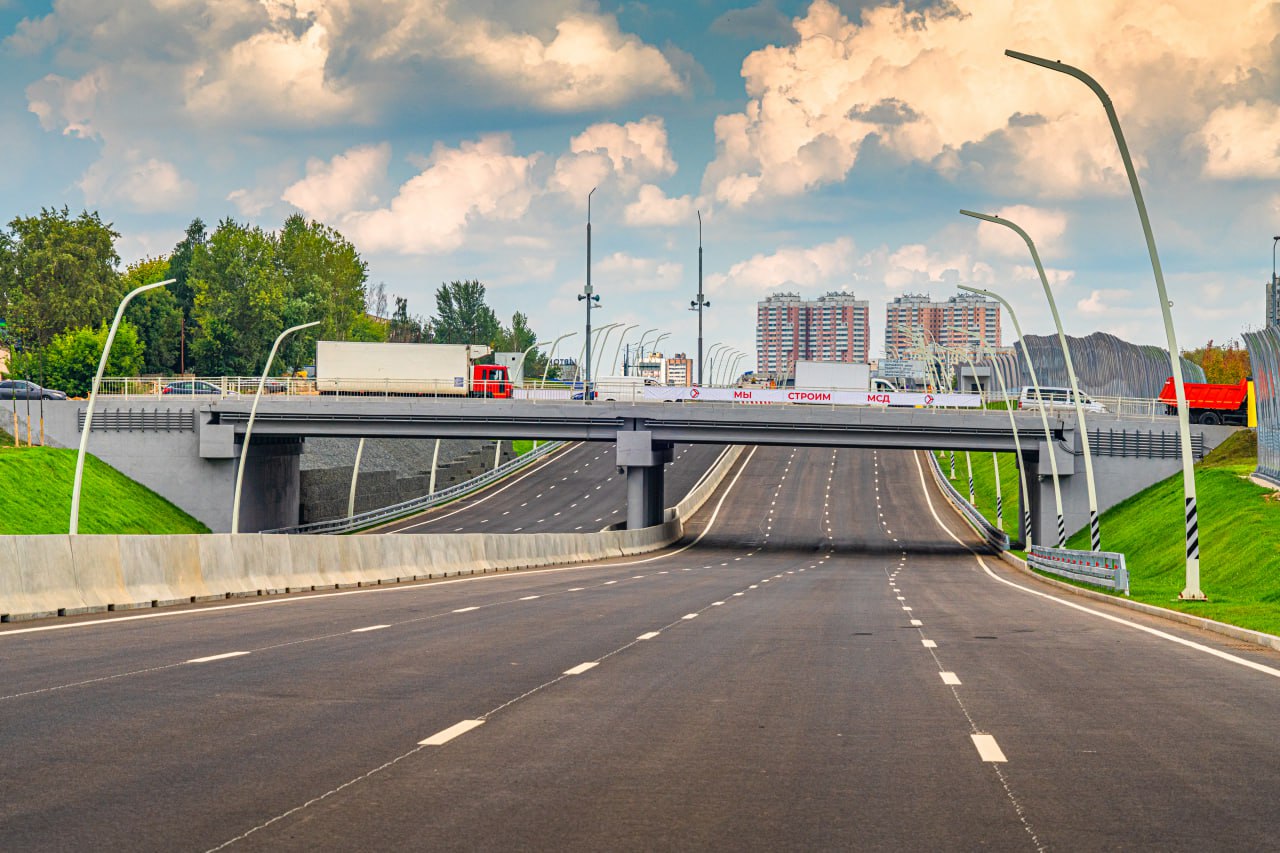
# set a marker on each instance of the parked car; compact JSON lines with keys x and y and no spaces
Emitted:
{"x":21,"y":389}
{"x":185,"y":387}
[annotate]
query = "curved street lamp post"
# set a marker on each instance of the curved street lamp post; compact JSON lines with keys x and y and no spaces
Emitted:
{"x":1044,"y":413}
{"x":1095,"y":527}
{"x":1191,"y":590}
{"x":253,"y":412}
{"x":78,"y":480}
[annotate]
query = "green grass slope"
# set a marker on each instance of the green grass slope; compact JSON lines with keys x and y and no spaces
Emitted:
{"x":35,"y":497}
{"x":1239,"y":535}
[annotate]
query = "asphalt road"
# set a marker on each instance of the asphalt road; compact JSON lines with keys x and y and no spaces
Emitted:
{"x":830,"y":666}
{"x":576,"y":489}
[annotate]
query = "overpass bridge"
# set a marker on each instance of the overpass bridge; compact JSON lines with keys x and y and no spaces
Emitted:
{"x":189,"y":446}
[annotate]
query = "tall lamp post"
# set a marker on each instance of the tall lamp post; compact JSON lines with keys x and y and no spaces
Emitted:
{"x":589,"y":295}
{"x":1017,"y":449}
{"x":1044,"y":410}
{"x":253,"y":412}
{"x":711,"y":358}
{"x":618,"y":350}
{"x":546,"y":370}
{"x":639,"y":348}
{"x":93,"y":396}
{"x":1095,"y":528}
{"x":701,"y":302}
{"x":1191,"y":515}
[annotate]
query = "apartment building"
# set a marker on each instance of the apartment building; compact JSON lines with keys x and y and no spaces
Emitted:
{"x":833,"y":327}
{"x":913,"y":319}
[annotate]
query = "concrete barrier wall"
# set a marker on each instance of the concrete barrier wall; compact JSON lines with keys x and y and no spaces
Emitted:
{"x":65,"y":575}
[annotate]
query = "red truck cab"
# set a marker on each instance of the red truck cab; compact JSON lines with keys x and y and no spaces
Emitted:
{"x":1210,"y":404}
{"x":491,"y":380}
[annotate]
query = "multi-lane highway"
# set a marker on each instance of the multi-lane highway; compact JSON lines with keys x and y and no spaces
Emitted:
{"x":826,"y":662}
{"x":576,"y":489}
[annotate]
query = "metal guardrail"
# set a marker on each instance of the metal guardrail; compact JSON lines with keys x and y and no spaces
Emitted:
{"x":989,"y":531}
{"x":390,"y":513}
{"x":1100,"y":568}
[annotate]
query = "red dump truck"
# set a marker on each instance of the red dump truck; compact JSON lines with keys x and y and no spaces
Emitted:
{"x":1210,"y":404}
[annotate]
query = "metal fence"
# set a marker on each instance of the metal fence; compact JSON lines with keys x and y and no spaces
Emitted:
{"x":1100,"y":568}
{"x":994,"y":536}
{"x":372,"y":517}
{"x":1142,"y":444}
{"x":1264,"y":357}
{"x":1105,"y":365}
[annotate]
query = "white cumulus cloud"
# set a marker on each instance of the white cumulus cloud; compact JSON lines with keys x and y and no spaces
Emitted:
{"x":431,"y":211}
{"x":141,"y":183}
{"x":1243,"y":141}
{"x":652,"y":207}
{"x":824,"y":265}
{"x":347,"y":183}
{"x":932,"y":86}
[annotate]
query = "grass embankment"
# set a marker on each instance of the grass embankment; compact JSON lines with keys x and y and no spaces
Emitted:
{"x":1239,"y":539}
{"x":984,"y":484}
{"x":35,"y":497}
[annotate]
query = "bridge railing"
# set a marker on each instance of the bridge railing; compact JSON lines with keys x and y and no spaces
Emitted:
{"x":1099,"y":568}
{"x":209,"y":388}
{"x":373,"y":517}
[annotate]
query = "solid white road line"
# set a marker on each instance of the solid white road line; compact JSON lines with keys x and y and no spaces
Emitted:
{"x":465,"y":609}
{"x":648,"y":635}
{"x":222,"y":656}
{"x":370,"y":628}
{"x":988,"y":749}
{"x":582,"y":667}
{"x":950,"y":678}
{"x":1200,"y":647}
{"x":440,"y":738}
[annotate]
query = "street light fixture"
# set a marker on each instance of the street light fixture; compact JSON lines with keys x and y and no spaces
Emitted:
{"x":1044,"y":410}
{"x":1095,"y":528}
{"x":1192,"y":589}
{"x":711,"y":360}
{"x":603,"y":343}
{"x":253,"y":412}
{"x":701,"y":302}
{"x":93,"y":396}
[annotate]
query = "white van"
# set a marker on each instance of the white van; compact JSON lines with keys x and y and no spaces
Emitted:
{"x":1056,"y":398}
{"x":624,"y":389}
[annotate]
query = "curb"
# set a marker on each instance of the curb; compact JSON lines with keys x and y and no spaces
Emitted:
{"x":1235,"y":632}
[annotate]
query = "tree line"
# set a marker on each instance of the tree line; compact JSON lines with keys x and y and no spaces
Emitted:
{"x":235,"y":289}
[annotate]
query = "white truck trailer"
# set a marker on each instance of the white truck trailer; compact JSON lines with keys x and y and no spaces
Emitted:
{"x":833,"y":376}
{"x":437,"y":370}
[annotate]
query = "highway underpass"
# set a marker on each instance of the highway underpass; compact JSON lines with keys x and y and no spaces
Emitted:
{"x":828,"y":661}
{"x":576,"y":489}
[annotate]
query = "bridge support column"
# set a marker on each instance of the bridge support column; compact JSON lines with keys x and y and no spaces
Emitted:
{"x":643,"y":458}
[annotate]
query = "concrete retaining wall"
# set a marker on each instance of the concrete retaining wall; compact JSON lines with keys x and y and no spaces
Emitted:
{"x":65,"y":575}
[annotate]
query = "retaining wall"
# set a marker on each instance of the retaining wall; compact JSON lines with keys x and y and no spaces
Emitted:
{"x":64,"y":575}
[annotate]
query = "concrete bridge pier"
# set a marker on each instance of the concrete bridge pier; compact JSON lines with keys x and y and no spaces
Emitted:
{"x":643,"y":459}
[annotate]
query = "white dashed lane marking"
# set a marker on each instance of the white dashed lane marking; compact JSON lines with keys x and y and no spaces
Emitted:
{"x":442,"y":737}
{"x":222,"y":656}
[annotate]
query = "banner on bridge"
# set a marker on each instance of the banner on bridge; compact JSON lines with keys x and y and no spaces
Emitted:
{"x":802,"y":395}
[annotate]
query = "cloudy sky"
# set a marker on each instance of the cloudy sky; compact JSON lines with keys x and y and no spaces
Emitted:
{"x":827,"y":143}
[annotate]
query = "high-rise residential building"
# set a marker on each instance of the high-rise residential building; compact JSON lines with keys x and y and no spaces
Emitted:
{"x":833,"y":327}
{"x":1273,"y":301}
{"x":680,"y":370}
{"x":914,"y":318}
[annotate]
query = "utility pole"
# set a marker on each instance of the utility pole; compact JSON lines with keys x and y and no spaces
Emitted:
{"x":590,"y":297}
{"x":701,"y":302}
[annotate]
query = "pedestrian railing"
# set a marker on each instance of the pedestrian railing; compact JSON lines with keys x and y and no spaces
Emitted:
{"x":372,"y":517}
{"x":994,"y":536}
{"x":1099,"y":568}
